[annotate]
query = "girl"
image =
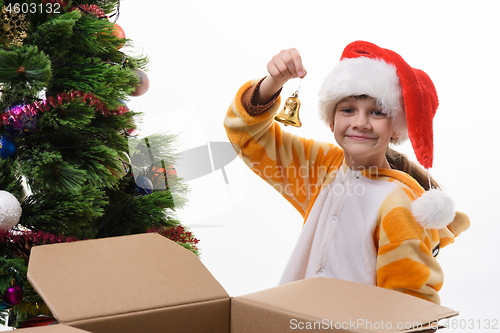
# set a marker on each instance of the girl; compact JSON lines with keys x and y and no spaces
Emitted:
{"x":370,"y":215}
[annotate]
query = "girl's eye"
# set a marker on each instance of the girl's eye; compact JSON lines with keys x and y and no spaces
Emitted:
{"x":379,"y":113}
{"x":347,"y":110}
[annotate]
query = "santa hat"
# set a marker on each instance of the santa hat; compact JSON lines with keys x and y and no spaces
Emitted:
{"x":407,"y":94}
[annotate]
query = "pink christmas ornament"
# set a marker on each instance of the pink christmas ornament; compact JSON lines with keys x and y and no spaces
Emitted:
{"x":14,"y":295}
{"x":142,"y":87}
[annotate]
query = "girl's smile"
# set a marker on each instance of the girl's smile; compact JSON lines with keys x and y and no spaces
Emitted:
{"x":359,"y":137}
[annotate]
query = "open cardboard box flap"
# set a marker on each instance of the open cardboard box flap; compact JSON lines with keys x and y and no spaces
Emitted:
{"x":324,"y":303}
{"x":147,"y":283}
{"x":115,"y":282}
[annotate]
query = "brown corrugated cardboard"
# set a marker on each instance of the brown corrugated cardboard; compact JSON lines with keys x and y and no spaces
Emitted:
{"x":329,"y":304}
{"x":141,"y":280}
{"x":147,"y":283}
{"x":52,"y":329}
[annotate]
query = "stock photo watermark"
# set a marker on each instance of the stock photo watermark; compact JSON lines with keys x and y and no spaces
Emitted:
{"x":293,"y":181}
{"x":365,"y":324}
{"x":357,"y":324}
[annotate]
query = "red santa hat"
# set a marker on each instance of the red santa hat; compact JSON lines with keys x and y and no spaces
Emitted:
{"x":409,"y":98}
{"x":407,"y":94}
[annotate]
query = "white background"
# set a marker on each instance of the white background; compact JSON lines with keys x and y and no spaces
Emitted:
{"x":202,"y":51}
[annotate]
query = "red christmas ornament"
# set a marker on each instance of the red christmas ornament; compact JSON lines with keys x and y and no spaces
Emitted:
{"x":13,"y":295}
{"x":143,"y":85}
{"x":118,"y":32}
{"x":41,"y":320}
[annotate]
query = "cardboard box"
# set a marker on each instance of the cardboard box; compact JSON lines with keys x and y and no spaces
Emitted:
{"x":147,"y":283}
{"x":53,"y":329}
{"x":318,"y":304}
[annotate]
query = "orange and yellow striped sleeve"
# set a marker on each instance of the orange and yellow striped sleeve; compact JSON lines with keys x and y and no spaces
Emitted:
{"x":405,"y":259}
{"x":296,"y":167}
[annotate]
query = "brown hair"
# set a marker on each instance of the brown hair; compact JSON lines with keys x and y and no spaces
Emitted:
{"x":401,"y":162}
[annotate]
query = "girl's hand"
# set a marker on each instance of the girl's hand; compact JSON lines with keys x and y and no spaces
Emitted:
{"x":284,"y":66}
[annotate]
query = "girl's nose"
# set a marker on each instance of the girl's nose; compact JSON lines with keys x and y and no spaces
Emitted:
{"x":361,"y":121}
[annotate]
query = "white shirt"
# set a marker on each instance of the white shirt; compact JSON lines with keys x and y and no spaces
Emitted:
{"x":337,"y":238}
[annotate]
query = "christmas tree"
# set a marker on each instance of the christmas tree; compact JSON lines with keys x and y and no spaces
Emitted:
{"x":71,"y":167}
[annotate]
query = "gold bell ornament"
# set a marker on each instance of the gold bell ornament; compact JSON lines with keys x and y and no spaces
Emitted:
{"x":290,"y":113}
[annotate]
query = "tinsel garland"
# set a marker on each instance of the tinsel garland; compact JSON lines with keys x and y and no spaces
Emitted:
{"x":90,"y":9}
{"x":27,"y":239}
{"x":177,"y":234}
{"x":21,"y":242}
{"x":32,"y":110}
{"x":35,"y":237}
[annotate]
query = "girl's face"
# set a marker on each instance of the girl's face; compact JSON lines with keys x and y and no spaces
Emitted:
{"x":363,"y":131}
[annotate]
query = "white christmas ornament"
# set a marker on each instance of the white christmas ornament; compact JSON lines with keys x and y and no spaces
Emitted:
{"x":10,"y":211}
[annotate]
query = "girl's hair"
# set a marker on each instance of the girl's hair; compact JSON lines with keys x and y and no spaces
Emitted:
{"x":400,"y":162}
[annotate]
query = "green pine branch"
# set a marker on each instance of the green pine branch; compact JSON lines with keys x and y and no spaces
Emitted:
{"x":108,"y":81}
{"x":10,"y":179}
{"x":24,"y":71}
{"x":65,"y":213}
{"x":133,"y":213}
{"x":54,"y":36}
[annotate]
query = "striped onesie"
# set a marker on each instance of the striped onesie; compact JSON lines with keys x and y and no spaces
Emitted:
{"x":357,"y":224}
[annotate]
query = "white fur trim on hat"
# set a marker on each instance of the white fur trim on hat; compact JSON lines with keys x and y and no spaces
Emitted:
{"x":364,"y":76}
{"x":434,"y":209}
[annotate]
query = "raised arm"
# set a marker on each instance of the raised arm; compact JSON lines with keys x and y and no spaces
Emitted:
{"x":294,"y":166}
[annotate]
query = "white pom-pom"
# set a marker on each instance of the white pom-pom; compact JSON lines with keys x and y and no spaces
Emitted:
{"x":10,"y":211}
{"x":434,"y":209}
